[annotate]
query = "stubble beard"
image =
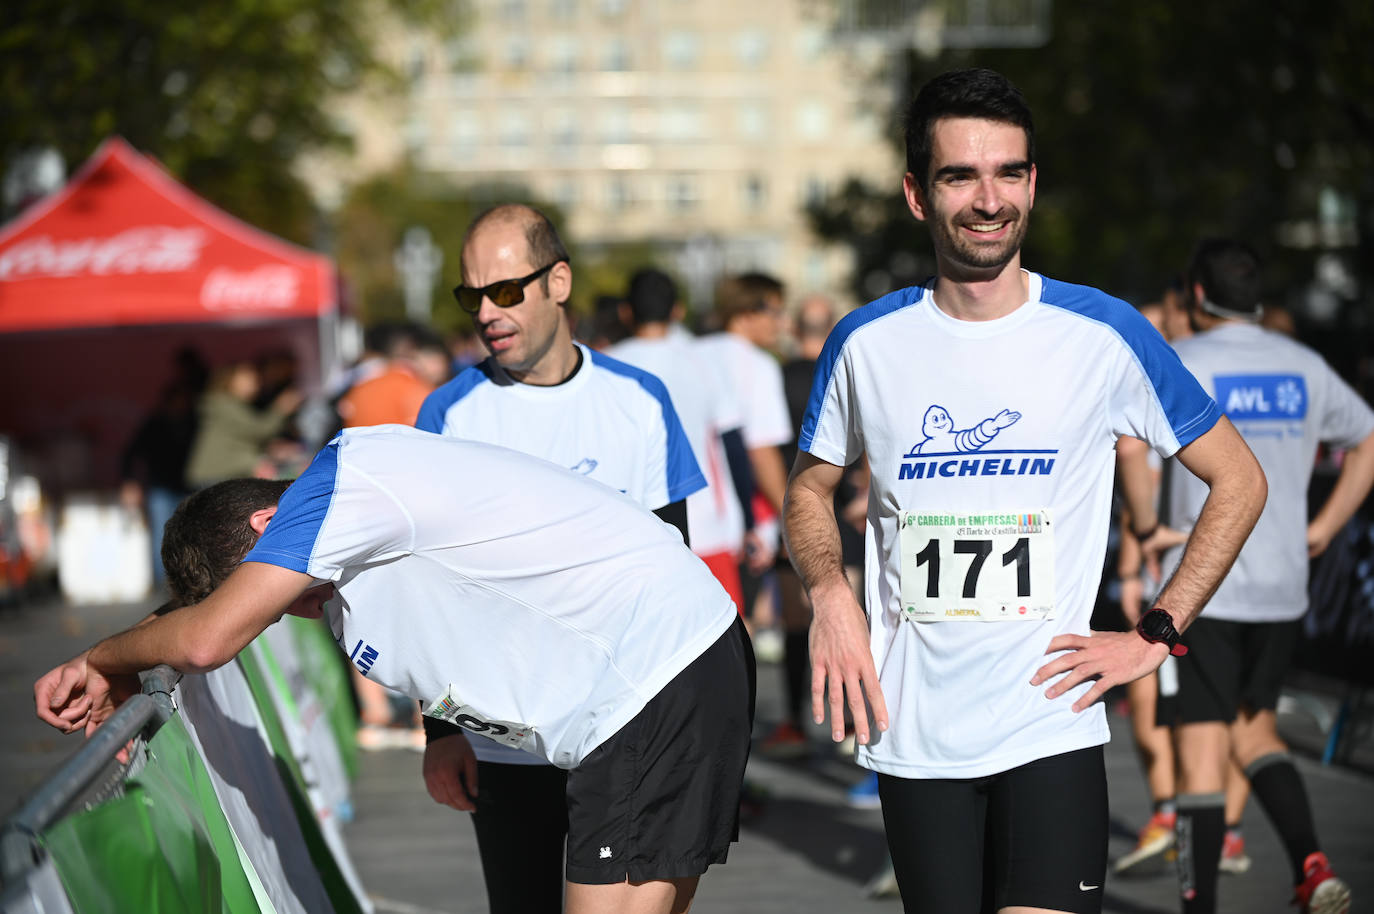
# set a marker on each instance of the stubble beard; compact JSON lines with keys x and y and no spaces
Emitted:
{"x":971,"y":257}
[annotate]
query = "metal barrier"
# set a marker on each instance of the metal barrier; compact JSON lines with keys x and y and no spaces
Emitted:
{"x":138,"y":718}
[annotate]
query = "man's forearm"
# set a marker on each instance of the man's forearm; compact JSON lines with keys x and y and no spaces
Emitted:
{"x":151,"y":641}
{"x":813,"y":539}
{"x":770,"y":474}
{"x":1227,"y":517}
{"x":1352,"y":485}
{"x":1137,"y":483}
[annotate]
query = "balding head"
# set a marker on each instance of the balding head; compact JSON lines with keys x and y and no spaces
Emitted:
{"x":543,"y":246}
{"x":815,"y":319}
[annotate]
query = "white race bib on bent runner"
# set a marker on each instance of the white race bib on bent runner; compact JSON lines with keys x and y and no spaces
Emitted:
{"x":967,"y":567}
{"x":450,"y":708}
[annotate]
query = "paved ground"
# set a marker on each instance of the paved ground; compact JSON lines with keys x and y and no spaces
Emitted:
{"x":806,"y":852}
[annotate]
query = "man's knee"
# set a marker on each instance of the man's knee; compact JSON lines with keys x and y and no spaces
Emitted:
{"x":1202,"y":752}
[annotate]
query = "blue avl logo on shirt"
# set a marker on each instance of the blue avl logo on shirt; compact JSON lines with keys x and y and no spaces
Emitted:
{"x":1262,"y":396}
{"x":363,"y":656}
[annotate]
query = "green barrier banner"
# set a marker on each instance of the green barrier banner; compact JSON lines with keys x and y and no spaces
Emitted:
{"x":162,"y":847}
{"x":329,"y":678}
{"x":331,"y":863}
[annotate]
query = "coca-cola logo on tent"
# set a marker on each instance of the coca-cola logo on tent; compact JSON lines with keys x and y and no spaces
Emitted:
{"x":147,"y":249}
{"x":271,"y":286}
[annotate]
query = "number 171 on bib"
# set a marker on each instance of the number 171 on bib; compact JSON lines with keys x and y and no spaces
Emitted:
{"x":977,"y":567}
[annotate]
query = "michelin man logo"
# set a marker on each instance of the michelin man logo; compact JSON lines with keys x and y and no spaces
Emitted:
{"x":943,"y":438}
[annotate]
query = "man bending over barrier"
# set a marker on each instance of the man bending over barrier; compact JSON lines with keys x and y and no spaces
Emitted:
{"x":514,"y":598}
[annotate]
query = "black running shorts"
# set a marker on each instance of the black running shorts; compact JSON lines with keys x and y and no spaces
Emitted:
{"x":1230,"y":666}
{"x":1035,"y":835}
{"x":660,"y":798}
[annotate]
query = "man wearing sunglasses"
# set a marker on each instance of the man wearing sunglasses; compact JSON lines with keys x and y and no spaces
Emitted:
{"x":541,"y":393}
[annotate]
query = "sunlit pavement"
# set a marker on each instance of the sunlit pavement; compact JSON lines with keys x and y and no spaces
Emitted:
{"x":806,"y":850}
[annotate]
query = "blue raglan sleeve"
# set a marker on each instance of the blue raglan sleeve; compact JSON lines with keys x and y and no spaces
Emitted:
{"x":331,"y":519}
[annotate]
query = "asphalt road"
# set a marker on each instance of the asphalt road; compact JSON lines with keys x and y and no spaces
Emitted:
{"x":806,"y":852}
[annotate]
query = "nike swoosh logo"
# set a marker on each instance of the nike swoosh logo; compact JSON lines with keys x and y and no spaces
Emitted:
{"x":1084,"y":887}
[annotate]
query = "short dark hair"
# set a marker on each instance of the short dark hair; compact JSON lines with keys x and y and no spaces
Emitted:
{"x":651,"y":296}
{"x":541,"y":238}
{"x":977,"y":93}
{"x":1229,"y":273}
{"x":208,"y":535}
{"x":746,"y":293}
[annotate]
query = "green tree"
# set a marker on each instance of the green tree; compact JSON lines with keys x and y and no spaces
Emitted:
{"x":227,"y":94}
{"x":1158,"y":123}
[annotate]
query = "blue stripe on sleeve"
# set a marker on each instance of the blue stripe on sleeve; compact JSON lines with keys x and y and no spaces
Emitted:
{"x":683,"y":474}
{"x":437,"y":404}
{"x":834,"y":347}
{"x":291,"y":534}
{"x":1188,"y":407}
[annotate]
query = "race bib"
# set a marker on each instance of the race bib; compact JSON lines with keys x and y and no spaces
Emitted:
{"x":450,"y":708}
{"x":994,"y":567}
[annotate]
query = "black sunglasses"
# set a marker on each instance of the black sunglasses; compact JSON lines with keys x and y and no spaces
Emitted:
{"x":503,"y":294}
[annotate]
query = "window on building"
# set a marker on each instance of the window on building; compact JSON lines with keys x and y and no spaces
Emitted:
{"x":619,"y":193}
{"x":615,"y":124}
{"x":562,"y":10}
{"x":683,"y":193}
{"x":682,"y":49}
{"x":563,"y":131}
{"x":814,"y":190}
{"x":813,"y":120}
{"x":513,"y":10}
{"x":751,"y":47}
{"x":416,"y":132}
{"x":680,"y":122}
{"x":465,"y":134}
{"x":464,"y":54}
{"x":517,"y":53}
{"x":613,"y":9}
{"x":810,"y":42}
{"x":751,"y":118}
{"x":417,"y":63}
{"x":755,"y":193}
{"x":514,"y":129}
{"x":563,"y":54}
{"x":615,"y":55}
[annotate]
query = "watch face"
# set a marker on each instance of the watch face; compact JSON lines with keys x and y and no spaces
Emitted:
{"x":1157,"y":624}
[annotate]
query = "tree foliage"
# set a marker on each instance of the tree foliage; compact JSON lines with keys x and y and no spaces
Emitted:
{"x":1158,"y":123}
{"x":226,"y":93}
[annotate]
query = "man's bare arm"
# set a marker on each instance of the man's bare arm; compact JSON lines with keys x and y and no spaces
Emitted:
{"x":1237,"y":492}
{"x":84,"y":691}
{"x":841,"y":662}
{"x":209,"y":634}
{"x":770,"y":474}
{"x":1220,"y":458}
{"x":1352,"y":485}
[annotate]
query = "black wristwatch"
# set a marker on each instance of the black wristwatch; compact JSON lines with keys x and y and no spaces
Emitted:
{"x":1157,"y":627}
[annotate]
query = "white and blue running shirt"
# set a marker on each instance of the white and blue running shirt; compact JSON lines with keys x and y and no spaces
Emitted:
{"x":994,"y":425}
{"x":611,"y":422}
{"x":538,"y":597}
{"x":1284,"y":399}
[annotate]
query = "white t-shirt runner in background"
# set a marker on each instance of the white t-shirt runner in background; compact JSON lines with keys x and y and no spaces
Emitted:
{"x":756,"y":378}
{"x":533,"y":597}
{"x":1284,"y":399}
{"x":995,"y":442}
{"x":707,"y":408}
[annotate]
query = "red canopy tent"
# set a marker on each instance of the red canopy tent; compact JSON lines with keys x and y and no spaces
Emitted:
{"x":104,"y":281}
